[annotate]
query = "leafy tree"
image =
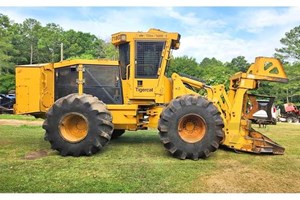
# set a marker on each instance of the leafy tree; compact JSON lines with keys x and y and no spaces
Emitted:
{"x":6,"y":48}
{"x":291,"y":90}
{"x":50,"y":39}
{"x":215,"y":75}
{"x":211,"y":70}
{"x":20,"y":55}
{"x":25,"y":40}
{"x":82,"y":56}
{"x":70,"y":44}
{"x":77,"y":44}
{"x":185,"y":65}
{"x":7,"y":83}
{"x":238,"y":64}
{"x":291,"y":42}
{"x":215,"y":72}
{"x":30,"y":30}
{"x":290,"y":51}
{"x":210,"y":62}
{"x":109,"y":51}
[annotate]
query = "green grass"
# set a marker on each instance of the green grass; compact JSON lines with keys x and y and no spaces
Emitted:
{"x":18,"y":117}
{"x":138,"y":163}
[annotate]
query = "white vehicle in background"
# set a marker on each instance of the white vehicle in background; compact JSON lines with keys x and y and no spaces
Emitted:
{"x":266,"y":111}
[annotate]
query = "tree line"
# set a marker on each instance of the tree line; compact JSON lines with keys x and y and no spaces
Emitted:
{"x":30,"y":42}
{"x":214,"y":71}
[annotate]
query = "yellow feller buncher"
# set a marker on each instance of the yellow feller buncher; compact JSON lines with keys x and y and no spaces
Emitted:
{"x":88,"y":102}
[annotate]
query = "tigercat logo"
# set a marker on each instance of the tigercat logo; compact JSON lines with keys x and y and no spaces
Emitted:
{"x":144,"y":89}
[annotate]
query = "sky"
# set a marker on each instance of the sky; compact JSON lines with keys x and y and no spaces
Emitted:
{"x":220,"y":32}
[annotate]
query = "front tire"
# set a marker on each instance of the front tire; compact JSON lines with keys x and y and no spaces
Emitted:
{"x":78,"y":125}
{"x":191,"y":127}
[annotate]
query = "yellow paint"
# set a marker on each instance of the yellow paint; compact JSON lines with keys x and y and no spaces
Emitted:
{"x":191,"y":128}
{"x":80,"y":80}
{"x":232,"y":104}
{"x":156,"y":89}
{"x":153,"y":114}
{"x":73,"y":127}
{"x":180,"y":89}
{"x":47,"y":89}
{"x":75,"y":62}
{"x":34,"y":88}
{"x":144,"y":99}
{"x":35,"y":83}
{"x":124,"y":116}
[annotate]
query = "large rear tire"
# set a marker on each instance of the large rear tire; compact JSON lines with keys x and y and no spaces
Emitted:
{"x":191,"y":127}
{"x":78,"y":125}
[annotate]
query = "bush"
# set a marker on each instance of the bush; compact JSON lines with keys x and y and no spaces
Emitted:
{"x":7,"y":83}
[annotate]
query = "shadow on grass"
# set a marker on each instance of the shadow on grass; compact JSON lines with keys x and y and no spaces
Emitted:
{"x":137,"y":138}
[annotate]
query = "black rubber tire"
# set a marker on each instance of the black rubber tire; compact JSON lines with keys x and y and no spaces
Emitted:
{"x":117,"y":133}
{"x":289,"y":120}
{"x":295,"y":120}
{"x":99,"y":121}
{"x":168,"y":127}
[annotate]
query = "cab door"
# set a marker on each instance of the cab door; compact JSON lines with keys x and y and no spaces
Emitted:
{"x":148,"y":57}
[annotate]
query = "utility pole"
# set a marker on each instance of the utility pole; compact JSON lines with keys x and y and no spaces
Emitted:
{"x":31,"y":53}
{"x":61,"y":51}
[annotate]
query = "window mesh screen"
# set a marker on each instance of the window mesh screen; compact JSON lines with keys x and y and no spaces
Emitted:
{"x":148,"y":57}
{"x":100,"y":81}
{"x":65,"y":81}
{"x":104,"y":83}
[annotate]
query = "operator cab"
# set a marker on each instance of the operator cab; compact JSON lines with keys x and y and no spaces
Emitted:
{"x":148,"y":58}
{"x":143,"y":58}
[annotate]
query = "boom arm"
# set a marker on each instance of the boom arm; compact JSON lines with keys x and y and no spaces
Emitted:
{"x":238,"y":132}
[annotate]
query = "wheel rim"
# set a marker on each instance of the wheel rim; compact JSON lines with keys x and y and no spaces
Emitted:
{"x":73,"y":127}
{"x":191,"y":128}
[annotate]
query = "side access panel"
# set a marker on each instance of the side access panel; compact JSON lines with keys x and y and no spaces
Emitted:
{"x":125,"y":116}
{"x":34,"y":88}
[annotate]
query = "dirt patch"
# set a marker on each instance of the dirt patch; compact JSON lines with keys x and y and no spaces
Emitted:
{"x":14,"y":122}
{"x":36,"y":154}
{"x":235,"y":177}
{"x":5,"y":142}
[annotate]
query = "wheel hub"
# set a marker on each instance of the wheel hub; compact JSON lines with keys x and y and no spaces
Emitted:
{"x":73,"y":127}
{"x":191,"y":128}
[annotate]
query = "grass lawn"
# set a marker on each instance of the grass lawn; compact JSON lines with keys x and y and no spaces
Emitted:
{"x":138,"y":163}
{"x":18,"y":117}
